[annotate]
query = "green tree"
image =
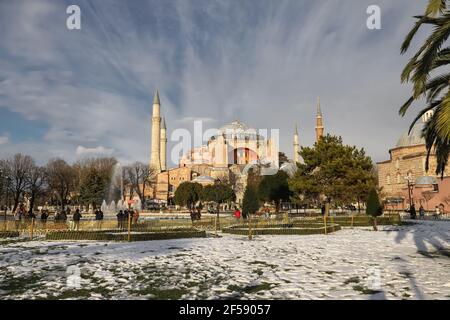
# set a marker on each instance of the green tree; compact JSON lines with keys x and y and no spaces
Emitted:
{"x":218,"y":193}
{"x":93,"y":189}
{"x":250,"y":203}
{"x":428,"y":72}
{"x":274,"y":188}
{"x":342,"y":173}
{"x":188,"y":194}
{"x":373,"y":207}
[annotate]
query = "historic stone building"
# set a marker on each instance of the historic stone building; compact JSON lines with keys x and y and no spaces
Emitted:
{"x":227,"y":156}
{"x":407,"y":162}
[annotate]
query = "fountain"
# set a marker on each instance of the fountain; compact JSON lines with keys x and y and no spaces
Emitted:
{"x":115,"y":193}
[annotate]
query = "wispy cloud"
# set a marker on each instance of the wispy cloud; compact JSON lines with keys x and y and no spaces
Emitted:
{"x":263,"y":62}
{"x":4,"y":140}
{"x":100,"y":150}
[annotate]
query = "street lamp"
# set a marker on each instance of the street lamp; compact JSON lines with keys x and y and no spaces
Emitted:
{"x":410,"y":182}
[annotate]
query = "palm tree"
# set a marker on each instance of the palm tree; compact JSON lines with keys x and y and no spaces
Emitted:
{"x":432,"y":57}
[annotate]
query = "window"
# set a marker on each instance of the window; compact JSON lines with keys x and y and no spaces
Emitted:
{"x":397,"y":164}
{"x":388,"y":179}
{"x":399,"y":179}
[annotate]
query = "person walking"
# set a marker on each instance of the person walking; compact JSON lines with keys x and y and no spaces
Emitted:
{"x":44,"y":216}
{"x":135,"y":217}
{"x":99,"y":218}
{"x":422,"y":212}
{"x":437,"y":213}
{"x":237,"y":213}
{"x":323,"y":210}
{"x":120,"y":220}
{"x":76,"y":220}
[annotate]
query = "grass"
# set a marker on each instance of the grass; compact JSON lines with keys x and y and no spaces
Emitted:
{"x":352,"y":280}
{"x":251,"y":289}
{"x":18,"y":285}
{"x":365,"y":290}
{"x":162,"y":294}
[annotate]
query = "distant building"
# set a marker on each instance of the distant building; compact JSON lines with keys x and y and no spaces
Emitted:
{"x":407,"y":162}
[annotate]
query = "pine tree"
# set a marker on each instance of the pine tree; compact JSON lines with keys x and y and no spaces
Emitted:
{"x":373,"y":207}
{"x":250,"y":203}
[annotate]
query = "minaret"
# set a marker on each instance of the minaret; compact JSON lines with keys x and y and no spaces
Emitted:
{"x":319,"y":122}
{"x":296,"y":146}
{"x":155,"y":161}
{"x":163,"y":146}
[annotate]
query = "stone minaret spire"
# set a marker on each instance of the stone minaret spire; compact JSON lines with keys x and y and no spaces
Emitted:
{"x":155,"y":161}
{"x":163,"y":146}
{"x":319,"y":122}
{"x":296,"y":146}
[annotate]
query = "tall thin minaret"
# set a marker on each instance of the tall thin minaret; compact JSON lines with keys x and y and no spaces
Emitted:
{"x":296,"y":146}
{"x":155,"y":160}
{"x":319,"y":122}
{"x":163,"y":145}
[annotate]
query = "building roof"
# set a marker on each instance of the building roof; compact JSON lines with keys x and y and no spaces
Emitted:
{"x":426,"y":180}
{"x":156,"y":98}
{"x":204,"y":179}
{"x":412,"y":139}
{"x":235,"y":125}
{"x":290,"y":168}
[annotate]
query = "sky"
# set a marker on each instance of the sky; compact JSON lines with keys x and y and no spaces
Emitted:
{"x":89,"y":92}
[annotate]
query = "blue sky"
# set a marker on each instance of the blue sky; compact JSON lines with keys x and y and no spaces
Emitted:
{"x":71,"y":93}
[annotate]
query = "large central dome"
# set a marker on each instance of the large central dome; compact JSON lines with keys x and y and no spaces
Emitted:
{"x":414,"y":138}
{"x":234,"y":126}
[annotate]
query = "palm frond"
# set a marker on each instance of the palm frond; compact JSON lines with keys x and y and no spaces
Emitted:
{"x":435,"y":6}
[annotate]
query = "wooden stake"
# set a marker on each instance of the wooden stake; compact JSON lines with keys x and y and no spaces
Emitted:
{"x":250,"y":237}
{"x":129,"y":227}
{"x":215,"y":225}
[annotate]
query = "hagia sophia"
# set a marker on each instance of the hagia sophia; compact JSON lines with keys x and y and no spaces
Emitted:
{"x":402,"y":179}
{"x":225,"y":157}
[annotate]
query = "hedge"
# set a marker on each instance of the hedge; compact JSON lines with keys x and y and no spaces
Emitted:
{"x":283,"y":231}
{"x":9,"y":234}
{"x":123,"y":236}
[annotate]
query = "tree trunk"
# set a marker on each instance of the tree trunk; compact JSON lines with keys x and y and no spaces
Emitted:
{"x":33,"y":197}
{"x":375,"y":227}
{"x":16,"y":201}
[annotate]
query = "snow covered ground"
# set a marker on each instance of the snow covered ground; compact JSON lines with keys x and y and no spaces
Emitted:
{"x":406,"y":262}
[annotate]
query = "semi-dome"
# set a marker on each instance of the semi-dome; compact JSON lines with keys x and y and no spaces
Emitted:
{"x":290,"y":168}
{"x":412,"y":139}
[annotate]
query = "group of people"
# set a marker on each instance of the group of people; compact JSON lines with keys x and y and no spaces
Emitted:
{"x":439,"y":211}
{"x":124,"y":215}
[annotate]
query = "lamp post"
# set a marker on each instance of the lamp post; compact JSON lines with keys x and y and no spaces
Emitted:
{"x":410,"y":185}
